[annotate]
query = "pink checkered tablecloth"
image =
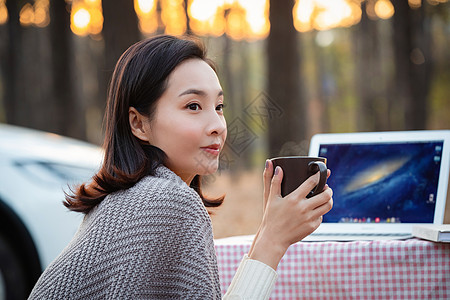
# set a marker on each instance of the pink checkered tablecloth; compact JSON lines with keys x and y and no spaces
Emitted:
{"x":386,"y":269}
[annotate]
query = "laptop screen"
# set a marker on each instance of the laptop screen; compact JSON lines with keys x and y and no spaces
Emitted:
{"x":388,"y":182}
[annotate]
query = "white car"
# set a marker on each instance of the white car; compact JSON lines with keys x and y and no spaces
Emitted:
{"x":36,"y":168}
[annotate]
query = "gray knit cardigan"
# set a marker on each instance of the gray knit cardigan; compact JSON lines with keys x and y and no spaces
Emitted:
{"x":152,"y":241}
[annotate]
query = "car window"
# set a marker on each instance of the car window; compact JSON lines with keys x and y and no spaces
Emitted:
{"x":54,"y":173}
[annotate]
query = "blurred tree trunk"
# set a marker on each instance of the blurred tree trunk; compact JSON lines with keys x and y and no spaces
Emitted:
{"x":371,"y":106}
{"x":27,"y":76}
{"x":234,"y":74}
{"x":412,"y":54}
{"x":284,"y":82}
{"x":323,"y":113}
{"x":120,"y":31}
{"x":69,"y":115}
{"x":228,"y":82}
{"x":240,"y":74}
{"x":10,"y":60}
{"x":186,"y":11}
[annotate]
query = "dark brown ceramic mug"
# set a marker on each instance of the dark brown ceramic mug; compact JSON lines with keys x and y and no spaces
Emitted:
{"x":296,"y":169}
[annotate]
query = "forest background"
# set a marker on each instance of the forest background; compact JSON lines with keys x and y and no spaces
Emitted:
{"x":289,"y":70}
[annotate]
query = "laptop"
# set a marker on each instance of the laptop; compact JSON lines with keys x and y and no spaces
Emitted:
{"x":384,"y":183}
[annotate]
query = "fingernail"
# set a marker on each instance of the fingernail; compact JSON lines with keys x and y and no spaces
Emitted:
{"x":267,"y":163}
{"x":277,"y":170}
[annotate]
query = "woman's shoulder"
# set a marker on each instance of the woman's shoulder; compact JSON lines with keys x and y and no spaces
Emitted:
{"x":165,"y":184}
{"x":154,"y":205}
{"x":164,"y":192}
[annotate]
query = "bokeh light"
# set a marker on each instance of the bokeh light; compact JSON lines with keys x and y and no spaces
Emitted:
{"x":26,"y":15}
{"x":41,"y":13}
{"x":415,"y":3}
{"x":145,"y":6}
{"x":86,"y":17}
{"x":81,"y":18}
{"x":325,"y":14}
{"x":238,"y":19}
{"x":257,"y":17}
{"x":146,"y":12}
{"x":36,"y":14}
{"x":203,"y":10}
{"x":173,"y":16}
{"x":384,"y":9}
{"x":3,"y":12}
{"x":207,"y":17}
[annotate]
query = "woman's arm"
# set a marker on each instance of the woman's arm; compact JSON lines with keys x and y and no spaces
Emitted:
{"x":253,"y":280}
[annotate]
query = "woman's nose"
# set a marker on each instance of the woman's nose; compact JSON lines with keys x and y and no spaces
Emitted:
{"x":217,"y":124}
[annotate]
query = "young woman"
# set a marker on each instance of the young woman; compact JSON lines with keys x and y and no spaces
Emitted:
{"x":146,"y":233}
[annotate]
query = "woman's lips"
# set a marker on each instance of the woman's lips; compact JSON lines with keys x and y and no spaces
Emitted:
{"x":213,"y":149}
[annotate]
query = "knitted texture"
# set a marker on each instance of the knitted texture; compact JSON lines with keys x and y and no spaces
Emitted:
{"x":152,"y":241}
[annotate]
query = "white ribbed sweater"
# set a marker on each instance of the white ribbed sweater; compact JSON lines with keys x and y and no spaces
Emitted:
{"x":152,"y":241}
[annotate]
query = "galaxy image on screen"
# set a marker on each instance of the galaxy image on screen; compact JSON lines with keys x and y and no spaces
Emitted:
{"x":383,"y":183}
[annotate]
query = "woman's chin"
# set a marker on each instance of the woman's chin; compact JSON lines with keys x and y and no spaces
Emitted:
{"x":211,"y":169}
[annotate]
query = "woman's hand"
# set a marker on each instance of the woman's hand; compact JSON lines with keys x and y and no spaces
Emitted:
{"x":287,"y":220}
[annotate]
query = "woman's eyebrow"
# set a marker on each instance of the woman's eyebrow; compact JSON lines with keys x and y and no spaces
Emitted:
{"x":192,"y":91}
{"x":197,"y":92}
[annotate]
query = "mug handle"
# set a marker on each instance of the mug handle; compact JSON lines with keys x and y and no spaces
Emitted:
{"x":313,"y":167}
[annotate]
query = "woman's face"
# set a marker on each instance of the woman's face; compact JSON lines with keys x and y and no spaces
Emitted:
{"x":188,"y":123}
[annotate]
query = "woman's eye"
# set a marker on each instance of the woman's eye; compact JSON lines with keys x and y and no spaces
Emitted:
{"x":220,"y":107}
{"x":193,"y":106}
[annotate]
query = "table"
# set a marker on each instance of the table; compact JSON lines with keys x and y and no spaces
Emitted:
{"x":386,"y":269}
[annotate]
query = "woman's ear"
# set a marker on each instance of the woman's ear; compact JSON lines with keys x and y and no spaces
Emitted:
{"x":139,"y":125}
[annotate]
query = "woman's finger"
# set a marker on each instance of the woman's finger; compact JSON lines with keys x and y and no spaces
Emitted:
{"x":323,"y":202}
{"x":275,"y":185}
{"x":307,"y":186}
{"x":267,"y":177}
